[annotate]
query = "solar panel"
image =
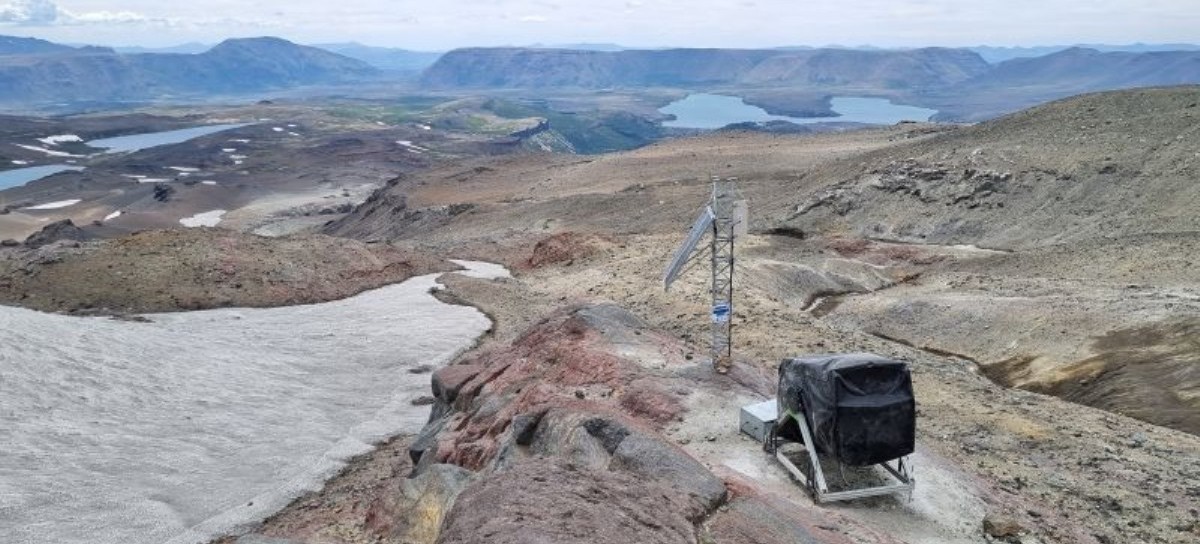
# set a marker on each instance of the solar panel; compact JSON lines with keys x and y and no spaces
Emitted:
{"x":741,"y":219}
{"x":699,"y":228}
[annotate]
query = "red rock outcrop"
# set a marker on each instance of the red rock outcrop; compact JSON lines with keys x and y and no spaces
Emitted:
{"x":564,"y":247}
{"x":562,"y":431}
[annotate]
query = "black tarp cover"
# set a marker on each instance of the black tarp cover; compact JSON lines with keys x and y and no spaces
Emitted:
{"x":859,"y":406}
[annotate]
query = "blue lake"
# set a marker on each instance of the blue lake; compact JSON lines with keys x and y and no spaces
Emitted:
{"x":710,"y":111}
{"x":120,"y":144}
{"x":137,"y":142}
{"x":21,"y":176}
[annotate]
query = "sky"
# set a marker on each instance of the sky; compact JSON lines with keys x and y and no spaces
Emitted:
{"x":446,"y":24}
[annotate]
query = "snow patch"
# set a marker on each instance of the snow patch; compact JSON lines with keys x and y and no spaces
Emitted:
{"x":481,"y":270}
{"x":20,"y":163}
{"x":208,"y":182}
{"x":187,"y":169}
{"x":55,"y":205}
{"x":145,"y":179}
{"x":253,"y":406}
{"x":59,"y":139}
{"x":112,"y":215}
{"x":277,"y":129}
{"x":50,"y":152}
{"x":203,"y":219}
{"x":411,"y":146}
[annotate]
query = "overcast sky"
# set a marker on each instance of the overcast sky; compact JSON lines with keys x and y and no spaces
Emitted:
{"x":444,"y":24}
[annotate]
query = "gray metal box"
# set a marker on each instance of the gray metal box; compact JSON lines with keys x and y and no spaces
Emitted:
{"x":757,"y":419}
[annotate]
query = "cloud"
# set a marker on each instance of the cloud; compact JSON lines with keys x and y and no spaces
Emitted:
{"x":28,"y":12}
{"x":113,"y":17}
{"x":648,"y":23}
{"x":47,"y":13}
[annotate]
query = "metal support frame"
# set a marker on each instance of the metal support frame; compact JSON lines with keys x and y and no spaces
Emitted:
{"x":726,"y":217}
{"x":723,"y":198}
{"x":901,"y":477}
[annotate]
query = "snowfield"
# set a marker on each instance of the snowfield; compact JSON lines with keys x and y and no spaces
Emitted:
{"x":60,"y":138}
{"x":204,"y":219}
{"x":48,"y":152}
{"x":55,"y":205}
{"x":197,"y":423}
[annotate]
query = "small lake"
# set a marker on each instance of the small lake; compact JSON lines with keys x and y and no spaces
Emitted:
{"x":711,"y":111}
{"x":119,"y":144}
{"x":138,"y":142}
{"x":21,"y":176}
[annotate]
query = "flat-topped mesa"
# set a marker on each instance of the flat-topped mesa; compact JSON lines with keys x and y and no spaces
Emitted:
{"x":822,"y":68}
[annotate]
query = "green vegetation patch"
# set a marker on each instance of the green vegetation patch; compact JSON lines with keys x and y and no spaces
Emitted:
{"x":589,"y":132}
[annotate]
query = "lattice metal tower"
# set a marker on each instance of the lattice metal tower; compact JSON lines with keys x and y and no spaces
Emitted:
{"x":725,"y":217}
{"x":724,"y":224}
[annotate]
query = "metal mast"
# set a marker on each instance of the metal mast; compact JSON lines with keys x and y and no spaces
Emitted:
{"x":726,"y":217}
{"x":723,"y":227}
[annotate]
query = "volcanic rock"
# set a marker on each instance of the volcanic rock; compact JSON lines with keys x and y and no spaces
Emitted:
{"x":54,"y":232}
{"x":998,"y":526}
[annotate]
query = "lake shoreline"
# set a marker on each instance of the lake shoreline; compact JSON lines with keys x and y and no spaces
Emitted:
{"x":132,"y":143}
{"x":712,"y":111}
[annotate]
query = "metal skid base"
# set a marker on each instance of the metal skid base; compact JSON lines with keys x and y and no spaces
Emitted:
{"x":900,"y":476}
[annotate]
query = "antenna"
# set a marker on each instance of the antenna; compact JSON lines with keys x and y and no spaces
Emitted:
{"x":725,"y":217}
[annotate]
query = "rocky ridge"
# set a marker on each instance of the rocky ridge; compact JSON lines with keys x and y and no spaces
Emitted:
{"x":237,"y":65}
{"x":192,"y":269}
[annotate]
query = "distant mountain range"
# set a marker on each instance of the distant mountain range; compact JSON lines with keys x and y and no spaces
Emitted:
{"x":13,"y":45}
{"x":384,"y":58}
{"x":958,"y":82}
{"x":35,"y":71}
{"x":1079,"y":69}
{"x":995,"y":54}
{"x":991,"y":53}
{"x":189,"y":48}
{"x":1023,"y":82}
{"x":542,"y":68}
{"x":961,"y":83}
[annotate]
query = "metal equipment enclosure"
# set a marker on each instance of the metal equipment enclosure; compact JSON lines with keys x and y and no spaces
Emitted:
{"x":855,"y":409}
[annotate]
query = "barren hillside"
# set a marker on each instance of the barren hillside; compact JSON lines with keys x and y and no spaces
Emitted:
{"x":1099,"y":165}
{"x":1050,"y":250}
{"x":192,"y":269}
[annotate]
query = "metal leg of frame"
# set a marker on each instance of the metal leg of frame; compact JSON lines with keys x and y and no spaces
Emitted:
{"x":902,"y":480}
